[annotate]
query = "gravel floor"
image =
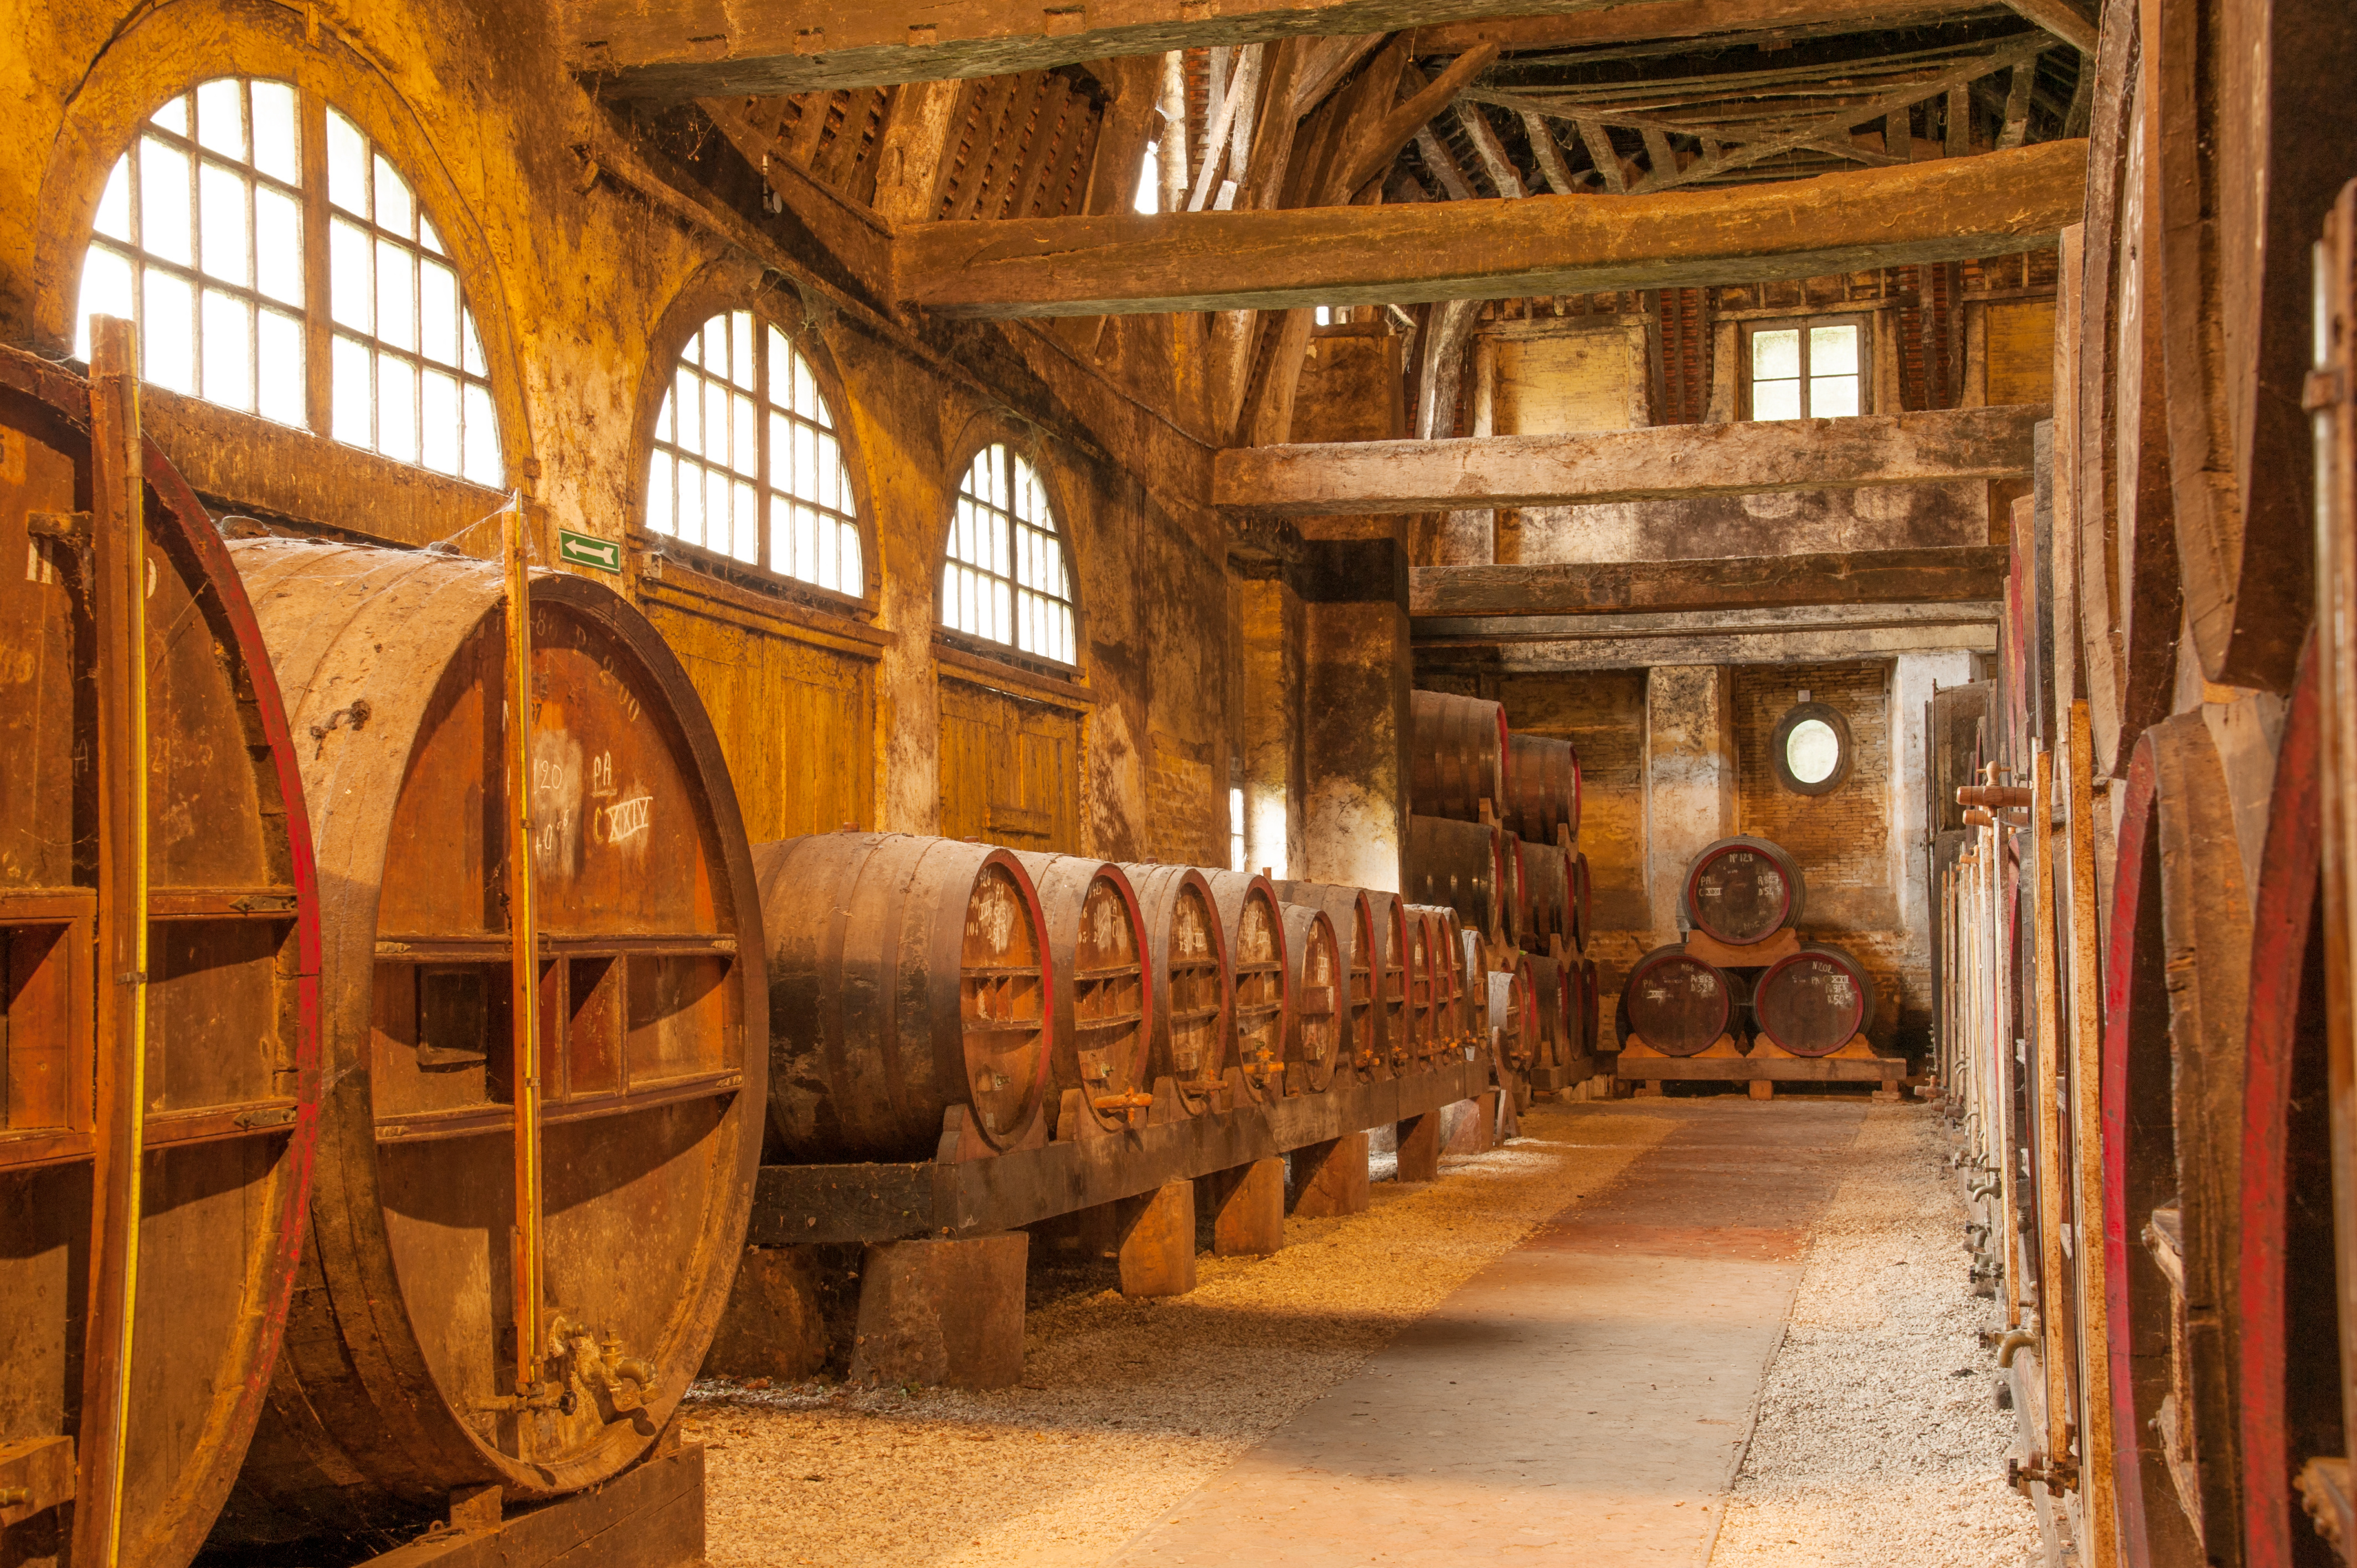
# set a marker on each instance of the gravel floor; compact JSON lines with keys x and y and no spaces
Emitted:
{"x":1126,"y":1407}
{"x":1878,"y":1443}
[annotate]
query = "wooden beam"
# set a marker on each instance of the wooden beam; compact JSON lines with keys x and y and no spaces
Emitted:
{"x":859,"y":239}
{"x":1603,"y":155}
{"x":1330,"y":60}
{"x":1442,"y":165}
{"x":1847,"y":221}
{"x":1844,"y":577}
{"x":1374,"y":151}
{"x":675,"y":49}
{"x":2062,"y":19}
{"x":1549,"y":153}
{"x":909,"y":164}
{"x":1651,"y":21}
{"x":1666,"y":462}
{"x":1491,"y":151}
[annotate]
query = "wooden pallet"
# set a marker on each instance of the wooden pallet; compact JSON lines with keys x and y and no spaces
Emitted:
{"x":1766,"y":1066}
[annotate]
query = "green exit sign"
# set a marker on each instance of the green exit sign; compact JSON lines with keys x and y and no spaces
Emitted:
{"x":588,"y":550}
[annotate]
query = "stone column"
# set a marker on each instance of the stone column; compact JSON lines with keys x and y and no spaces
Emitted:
{"x":1274,"y":629}
{"x":1689,"y":779}
{"x":1353,"y":583}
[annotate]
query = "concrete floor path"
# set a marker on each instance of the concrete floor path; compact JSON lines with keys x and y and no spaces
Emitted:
{"x":1585,"y":1398}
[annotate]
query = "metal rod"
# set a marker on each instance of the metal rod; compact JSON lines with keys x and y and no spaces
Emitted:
{"x":524,"y":956}
{"x":119,"y":596}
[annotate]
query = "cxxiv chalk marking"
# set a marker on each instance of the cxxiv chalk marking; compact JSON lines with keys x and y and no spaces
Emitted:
{"x":624,"y":819}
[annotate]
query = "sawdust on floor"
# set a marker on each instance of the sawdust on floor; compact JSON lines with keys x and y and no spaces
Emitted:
{"x":1879,"y":1444}
{"x":1126,"y":1406}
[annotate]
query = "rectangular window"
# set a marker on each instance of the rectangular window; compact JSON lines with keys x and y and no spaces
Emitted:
{"x":1815,"y":368}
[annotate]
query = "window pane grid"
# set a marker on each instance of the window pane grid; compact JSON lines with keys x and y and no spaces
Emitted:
{"x":1807,"y":370}
{"x":745,"y":428}
{"x":410,"y":379}
{"x":190,"y":243}
{"x":1005,"y":579}
{"x":201,"y":239}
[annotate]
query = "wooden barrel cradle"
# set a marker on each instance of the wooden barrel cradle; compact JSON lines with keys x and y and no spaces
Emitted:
{"x":102,"y":534}
{"x":401,"y":1385}
{"x":1456,"y":971}
{"x":1396,"y":1016}
{"x":1101,"y":990}
{"x":1579,"y":902}
{"x":1677,"y":1003}
{"x":1463,"y":866}
{"x":1542,"y":803}
{"x":1591,"y":1008}
{"x":1546,"y":882}
{"x":1262,"y":988}
{"x":1814,"y":1002}
{"x":1350,"y":911}
{"x":1458,"y":759}
{"x":1744,"y":890}
{"x":1194,"y":989}
{"x":910,"y":976}
{"x":1321,"y":1011}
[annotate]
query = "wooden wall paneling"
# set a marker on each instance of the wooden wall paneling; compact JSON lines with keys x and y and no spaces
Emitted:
{"x":2017,"y":351}
{"x":796,"y":719}
{"x":1009,"y":770}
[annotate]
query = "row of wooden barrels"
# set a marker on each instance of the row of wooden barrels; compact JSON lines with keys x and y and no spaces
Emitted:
{"x":1811,"y":1002}
{"x":1466,"y":764}
{"x":1516,"y":892}
{"x":405,"y":1224}
{"x":923,"y":988}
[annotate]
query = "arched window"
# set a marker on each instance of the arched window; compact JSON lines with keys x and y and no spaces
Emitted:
{"x":1005,"y":578}
{"x":210,"y":237}
{"x":747,"y":463}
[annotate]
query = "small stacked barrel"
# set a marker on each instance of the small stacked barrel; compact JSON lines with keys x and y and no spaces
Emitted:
{"x":1743,"y":968}
{"x":1493,"y":835}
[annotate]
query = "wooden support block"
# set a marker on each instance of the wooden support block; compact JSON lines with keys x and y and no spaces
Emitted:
{"x":1248,"y":1213}
{"x":1330,"y":1179}
{"x":773,"y":1326}
{"x":1157,"y":1247}
{"x":650,"y":1516}
{"x":1651,"y":1088}
{"x":943,"y":1311}
{"x":1472,"y":1125}
{"x":1419,"y":1147}
{"x":1761,"y":1089}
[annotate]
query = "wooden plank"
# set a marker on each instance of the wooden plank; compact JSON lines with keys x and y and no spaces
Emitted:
{"x":2062,"y":19}
{"x":1664,"y":462}
{"x":1651,"y":21}
{"x":1899,"y":576}
{"x":1847,"y":221}
{"x":2058,"y":1307}
{"x":2082,"y":945}
{"x":844,"y":1203}
{"x":674,"y":49}
{"x":908,"y":162}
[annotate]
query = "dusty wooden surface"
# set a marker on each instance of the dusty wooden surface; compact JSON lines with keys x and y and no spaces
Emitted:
{"x":1225,"y":261}
{"x":1662,"y":463}
{"x":1877,"y":576}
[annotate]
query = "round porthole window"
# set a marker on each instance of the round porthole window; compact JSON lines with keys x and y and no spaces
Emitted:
{"x":1811,"y":748}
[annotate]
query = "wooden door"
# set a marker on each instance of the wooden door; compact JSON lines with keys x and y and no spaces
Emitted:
{"x":1010,"y":770}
